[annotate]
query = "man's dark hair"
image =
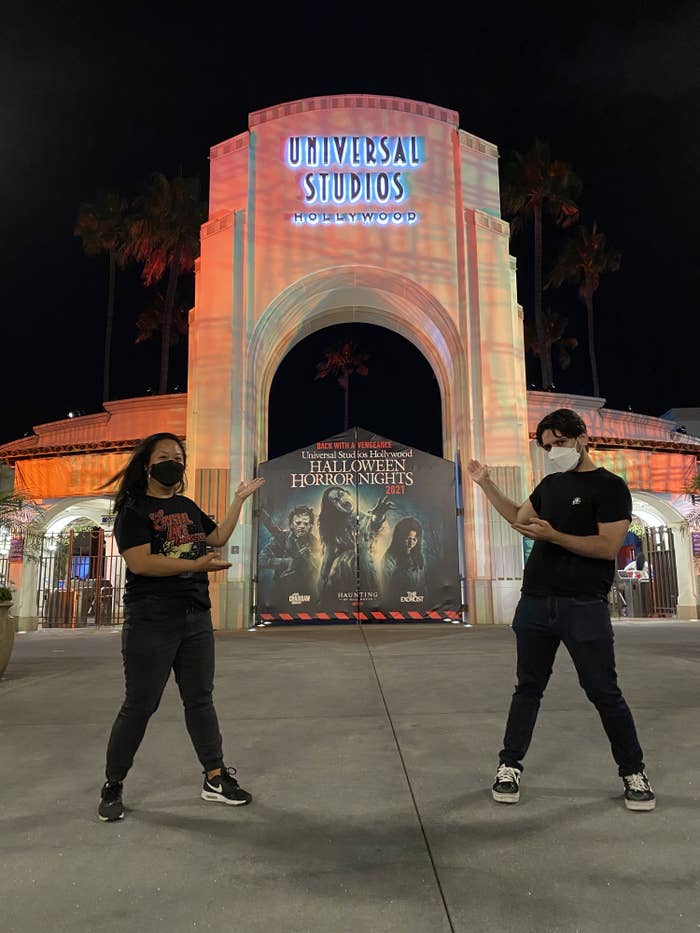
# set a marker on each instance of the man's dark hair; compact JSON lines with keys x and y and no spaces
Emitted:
{"x":564,"y":422}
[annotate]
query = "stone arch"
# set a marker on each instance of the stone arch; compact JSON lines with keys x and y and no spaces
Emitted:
{"x":647,"y":505}
{"x":653,"y":510}
{"x":372,"y":295}
{"x":369,"y":295}
{"x":64,"y":511}
{"x":52,"y":521}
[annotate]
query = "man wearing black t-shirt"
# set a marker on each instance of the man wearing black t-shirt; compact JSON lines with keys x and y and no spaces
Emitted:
{"x":578,"y":518}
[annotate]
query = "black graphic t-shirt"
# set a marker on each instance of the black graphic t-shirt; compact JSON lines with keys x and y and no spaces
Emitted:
{"x":574,"y":503}
{"x":174,"y":527}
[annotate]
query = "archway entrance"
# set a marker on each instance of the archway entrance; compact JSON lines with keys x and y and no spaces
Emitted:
{"x":395,"y":394}
{"x":282,"y":258}
{"x":72,"y":574}
{"x":654,"y":570}
{"x":469,"y":395}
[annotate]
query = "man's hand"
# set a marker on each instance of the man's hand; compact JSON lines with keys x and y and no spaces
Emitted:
{"x":605,"y":545}
{"x":479,"y":472}
{"x":210,"y":563}
{"x":247,"y":489}
{"x":537,"y":529}
{"x":511,"y":511}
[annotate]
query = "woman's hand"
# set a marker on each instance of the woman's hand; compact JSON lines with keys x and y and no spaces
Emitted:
{"x":210,"y":563}
{"x":247,"y":489}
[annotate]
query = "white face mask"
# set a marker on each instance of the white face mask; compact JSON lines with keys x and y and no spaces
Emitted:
{"x":565,"y":459}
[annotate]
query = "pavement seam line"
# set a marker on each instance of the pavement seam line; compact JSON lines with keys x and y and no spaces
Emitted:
{"x":408,"y":782}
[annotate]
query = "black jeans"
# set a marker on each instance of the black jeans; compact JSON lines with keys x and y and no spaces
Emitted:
{"x":540,"y":624}
{"x":159,"y":637}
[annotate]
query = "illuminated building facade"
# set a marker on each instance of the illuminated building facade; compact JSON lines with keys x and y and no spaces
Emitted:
{"x":340,"y":209}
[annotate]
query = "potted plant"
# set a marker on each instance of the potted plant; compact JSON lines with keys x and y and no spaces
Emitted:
{"x":7,"y":628}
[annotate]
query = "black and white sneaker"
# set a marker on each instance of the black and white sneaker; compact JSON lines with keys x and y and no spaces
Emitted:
{"x":506,"y":787}
{"x":638,"y":792}
{"x":224,"y":788}
{"x":111,"y":807}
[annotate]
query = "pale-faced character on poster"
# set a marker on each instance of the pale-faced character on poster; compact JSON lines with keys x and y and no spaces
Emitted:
{"x":403,"y":564}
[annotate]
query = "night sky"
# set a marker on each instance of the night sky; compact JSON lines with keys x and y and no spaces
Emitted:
{"x":94,"y":100}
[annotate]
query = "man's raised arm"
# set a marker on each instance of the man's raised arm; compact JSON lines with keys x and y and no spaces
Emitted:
{"x":511,"y":511}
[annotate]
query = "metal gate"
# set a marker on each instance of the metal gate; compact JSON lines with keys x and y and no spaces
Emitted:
{"x":80,"y":580}
{"x":663,"y":579}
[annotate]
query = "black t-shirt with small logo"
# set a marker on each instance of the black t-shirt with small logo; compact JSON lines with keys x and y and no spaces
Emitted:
{"x":174,"y":527}
{"x":575,"y":503}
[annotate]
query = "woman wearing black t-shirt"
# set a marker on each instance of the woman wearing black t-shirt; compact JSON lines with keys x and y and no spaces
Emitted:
{"x":163,"y":537}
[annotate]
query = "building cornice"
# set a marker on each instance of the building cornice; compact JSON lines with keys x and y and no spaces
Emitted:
{"x":354,"y":102}
{"x":11,"y":455}
{"x":634,"y":443}
{"x":476,"y":144}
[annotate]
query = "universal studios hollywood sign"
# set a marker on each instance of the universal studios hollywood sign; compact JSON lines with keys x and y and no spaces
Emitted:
{"x":354,"y":180}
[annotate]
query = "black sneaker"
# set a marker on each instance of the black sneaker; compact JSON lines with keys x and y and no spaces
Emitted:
{"x":638,"y":792}
{"x":506,"y":787}
{"x":111,"y":807}
{"x":225,"y":788}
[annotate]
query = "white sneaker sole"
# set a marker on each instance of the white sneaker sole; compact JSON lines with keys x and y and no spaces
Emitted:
{"x":505,"y":798}
{"x":110,"y":819}
{"x":640,"y":804}
{"x":219,"y":798}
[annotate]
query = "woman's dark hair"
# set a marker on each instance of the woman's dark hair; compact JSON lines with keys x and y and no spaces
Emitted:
{"x":397,"y":546}
{"x":564,"y":422}
{"x":133,"y":479}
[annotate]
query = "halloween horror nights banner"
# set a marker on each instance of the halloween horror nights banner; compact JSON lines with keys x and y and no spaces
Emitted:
{"x":357,"y":526}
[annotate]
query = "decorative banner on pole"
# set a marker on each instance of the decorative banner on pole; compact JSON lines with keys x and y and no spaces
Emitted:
{"x":695,"y":539}
{"x":358,"y":527}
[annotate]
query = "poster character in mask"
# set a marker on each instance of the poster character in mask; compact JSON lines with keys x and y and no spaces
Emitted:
{"x":293,"y":555}
{"x":164,"y":537}
{"x":348,"y":540}
{"x":403,"y":565}
{"x":577,"y":517}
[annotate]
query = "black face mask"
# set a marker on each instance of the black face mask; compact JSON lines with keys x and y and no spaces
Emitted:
{"x":168,"y":472}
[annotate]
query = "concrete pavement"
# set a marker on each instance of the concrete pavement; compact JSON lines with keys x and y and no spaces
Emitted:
{"x":370,"y":753}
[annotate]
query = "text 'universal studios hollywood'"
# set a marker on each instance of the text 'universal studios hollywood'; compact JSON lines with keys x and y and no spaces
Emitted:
{"x":354,"y":170}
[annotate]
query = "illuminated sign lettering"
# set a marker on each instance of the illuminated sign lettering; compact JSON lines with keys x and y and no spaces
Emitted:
{"x":359,"y":218}
{"x":354,"y":172}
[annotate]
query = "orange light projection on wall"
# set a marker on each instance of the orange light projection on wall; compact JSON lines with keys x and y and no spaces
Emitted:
{"x":649,"y":470}
{"x":69,"y":475}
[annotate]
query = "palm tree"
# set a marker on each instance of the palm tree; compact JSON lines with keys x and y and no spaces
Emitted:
{"x":164,"y":237}
{"x":341,"y":360}
{"x":102,"y":228}
{"x":150,"y":320}
{"x":17,"y":511}
{"x":583,"y":259}
{"x":534,"y":184}
{"x":554,"y":327}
